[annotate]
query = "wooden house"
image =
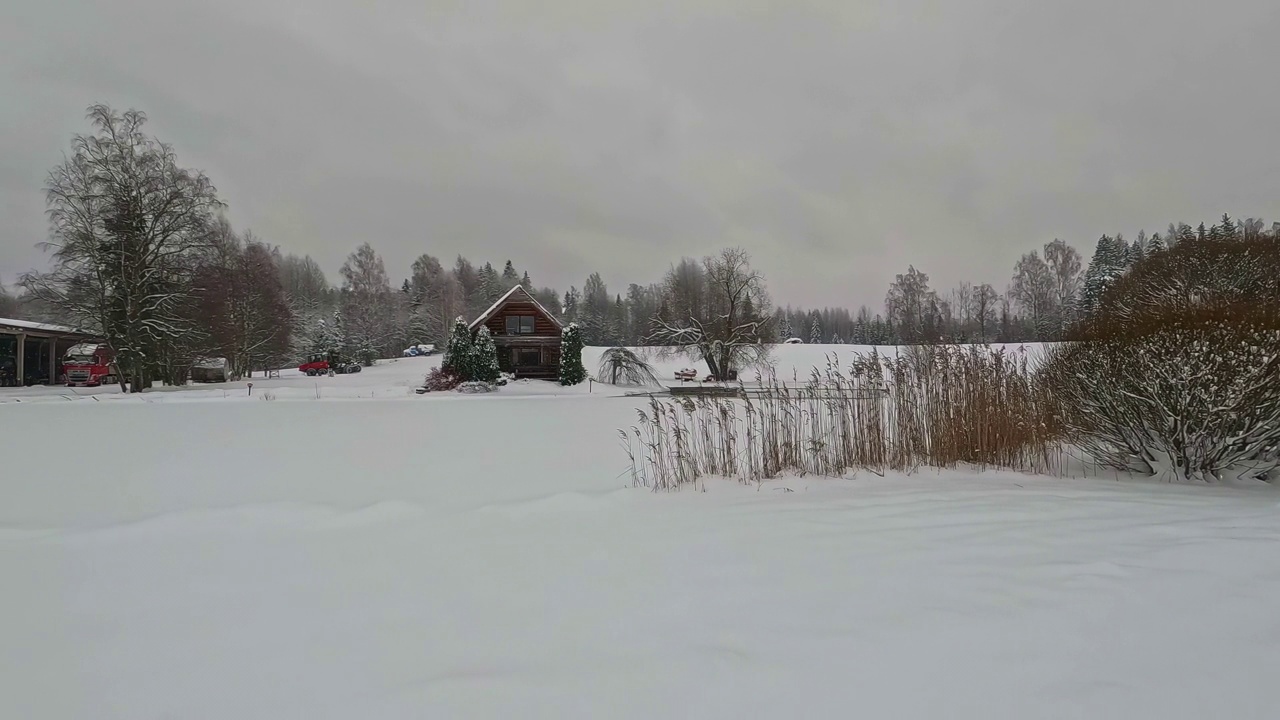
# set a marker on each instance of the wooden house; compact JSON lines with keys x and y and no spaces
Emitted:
{"x":526,"y":333}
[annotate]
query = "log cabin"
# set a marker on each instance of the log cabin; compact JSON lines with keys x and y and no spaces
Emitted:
{"x":526,"y":333}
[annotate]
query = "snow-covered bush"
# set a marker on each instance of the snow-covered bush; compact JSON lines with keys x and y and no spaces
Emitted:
{"x":1185,"y":403}
{"x":572,"y":371}
{"x":472,"y":388}
{"x":1176,"y":374}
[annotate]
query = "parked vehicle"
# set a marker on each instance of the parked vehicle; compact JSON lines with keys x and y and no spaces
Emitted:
{"x":88,"y":365}
{"x":419,"y":350}
{"x":793,"y":341}
{"x":324,"y":363}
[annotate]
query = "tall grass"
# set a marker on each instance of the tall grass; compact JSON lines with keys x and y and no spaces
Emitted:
{"x":934,"y":406}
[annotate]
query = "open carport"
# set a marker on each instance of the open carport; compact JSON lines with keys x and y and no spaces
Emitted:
{"x":31,"y":352}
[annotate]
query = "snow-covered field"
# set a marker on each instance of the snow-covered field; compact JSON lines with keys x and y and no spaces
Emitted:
{"x":199,"y":553}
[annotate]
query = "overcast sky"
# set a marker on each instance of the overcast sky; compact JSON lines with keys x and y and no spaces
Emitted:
{"x":837,"y":141}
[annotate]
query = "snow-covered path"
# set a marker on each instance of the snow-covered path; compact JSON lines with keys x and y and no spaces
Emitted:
{"x":481,"y":558}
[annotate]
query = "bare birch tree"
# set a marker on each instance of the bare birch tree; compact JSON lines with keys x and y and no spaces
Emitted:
{"x":1066,"y":267}
{"x":367,"y":307}
{"x":126,"y":227}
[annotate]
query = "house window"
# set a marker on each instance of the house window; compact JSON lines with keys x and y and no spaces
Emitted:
{"x":519,"y":324}
{"x":526,"y":357}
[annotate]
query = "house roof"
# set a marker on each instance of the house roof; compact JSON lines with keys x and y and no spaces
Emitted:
{"x":10,"y":325}
{"x":510,"y":295}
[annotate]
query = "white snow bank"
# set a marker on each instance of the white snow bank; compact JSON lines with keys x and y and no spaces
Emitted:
{"x":480,"y":558}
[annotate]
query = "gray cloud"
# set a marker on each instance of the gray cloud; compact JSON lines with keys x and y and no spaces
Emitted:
{"x":837,"y":141}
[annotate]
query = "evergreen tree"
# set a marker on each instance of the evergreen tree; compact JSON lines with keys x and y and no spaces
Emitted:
{"x":1201,"y":233}
{"x":510,"y":278}
{"x":572,"y":371}
{"x":491,"y":287}
{"x":1185,"y":234}
{"x":1156,"y":245}
{"x":526,"y":282}
{"x":1105,"y":268}
{"x":572,"y":301}
{"x":786,"y":328}
{"x":457,"y":353}
{"x":1138,"y":251}
{"x":331,"y":337}
{"x":815,"y":331}
{"x":1227,"y":229}
{"x":484,"y":358}
{"x":836,"y":340}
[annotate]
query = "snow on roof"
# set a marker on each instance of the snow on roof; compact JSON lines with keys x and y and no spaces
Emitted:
{"x":43,"y":327}
{"x":503,"y":300}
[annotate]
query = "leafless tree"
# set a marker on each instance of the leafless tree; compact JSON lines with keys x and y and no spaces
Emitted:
{"x":1066,"y":267}
{"x":983,"y":305}
{"x":127,"y":225}
{"x":1033,"y":289}
{"x":728,"y":334}
{"x":243,"y":308}
{"x":437,"y":298}
{"x":311,"y":300}
{"x":909,"y":303}
{"x":367,"y":306}
{"x":10,"y":307}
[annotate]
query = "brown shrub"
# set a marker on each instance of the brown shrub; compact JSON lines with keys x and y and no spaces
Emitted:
{"x":1179,"y":373}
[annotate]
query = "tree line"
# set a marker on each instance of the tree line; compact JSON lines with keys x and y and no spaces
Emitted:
{"x":1051,"y":289}
{"x":143,"y":254}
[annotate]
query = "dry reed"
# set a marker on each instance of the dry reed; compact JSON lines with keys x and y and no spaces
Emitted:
{"x":931,"y":406}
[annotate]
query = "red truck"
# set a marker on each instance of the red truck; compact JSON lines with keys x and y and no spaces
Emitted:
{"x":322,"y":363}
{"x":88,"y":365}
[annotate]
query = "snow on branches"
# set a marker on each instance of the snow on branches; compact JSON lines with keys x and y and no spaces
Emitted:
{"x":1176,"y":373}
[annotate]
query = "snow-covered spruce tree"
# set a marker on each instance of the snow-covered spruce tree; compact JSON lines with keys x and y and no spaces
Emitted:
{"x":572,"y":371}
{"x":1107,"y":266}
{"x":484,"y":358}
{"x":1175,"y":373}
{"x":815,"y":331}
{"x":457,"y":353}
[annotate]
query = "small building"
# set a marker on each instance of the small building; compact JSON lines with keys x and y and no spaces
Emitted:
{"x":526,"y":333}
{"x":31,"y":352}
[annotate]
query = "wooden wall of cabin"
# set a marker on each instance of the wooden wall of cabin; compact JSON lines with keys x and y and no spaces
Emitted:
{"x":542,"y":325}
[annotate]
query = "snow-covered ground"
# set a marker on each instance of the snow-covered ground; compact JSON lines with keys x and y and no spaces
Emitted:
{"x":199,"y":553}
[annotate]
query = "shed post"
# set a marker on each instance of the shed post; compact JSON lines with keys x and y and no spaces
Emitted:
{"x":22,"y":359}
{"x":53,"y":361}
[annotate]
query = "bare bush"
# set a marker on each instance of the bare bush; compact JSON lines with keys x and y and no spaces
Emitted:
{"x":941,"y":406}
{"x":442,"y":379}
{"x":1176,"y":375}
